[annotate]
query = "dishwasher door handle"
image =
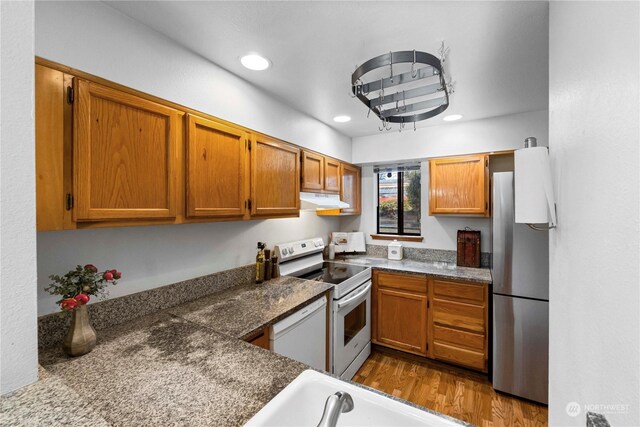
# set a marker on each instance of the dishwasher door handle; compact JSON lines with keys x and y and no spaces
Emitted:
{"x":342,"y":304}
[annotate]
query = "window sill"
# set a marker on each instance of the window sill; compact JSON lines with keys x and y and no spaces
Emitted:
{"x":397,"y":237}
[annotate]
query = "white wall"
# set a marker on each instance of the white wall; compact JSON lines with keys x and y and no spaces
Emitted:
{"x":448,"y":139}
{"x":594,"y":253}
{"x":18,"y":341}
{"x":95,"y":38}
{"x":439,"y":232}
{"x":159,"y":255}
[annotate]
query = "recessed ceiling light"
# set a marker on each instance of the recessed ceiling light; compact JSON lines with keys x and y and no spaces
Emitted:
{"x":452,"y":118}
{"x":255,"y":62}
{"x":342,"y":119}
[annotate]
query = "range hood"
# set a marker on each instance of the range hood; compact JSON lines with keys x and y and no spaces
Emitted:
{"x":318,"y":201}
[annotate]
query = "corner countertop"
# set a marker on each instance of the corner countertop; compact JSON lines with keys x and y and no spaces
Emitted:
{"x":242,"y":311}
{"x":187,"y":365}
{"x":442,"y":270}
{"x":164,"y":370}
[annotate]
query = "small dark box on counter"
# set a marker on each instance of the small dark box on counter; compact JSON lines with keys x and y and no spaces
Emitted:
{"x":468,"y":248}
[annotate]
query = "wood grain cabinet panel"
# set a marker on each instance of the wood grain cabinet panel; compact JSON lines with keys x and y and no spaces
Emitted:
{"x":331,"y":175}
{"x":124,"y":155}
{"x":216,"y":163}
{"x":459,"y":186}
{"x":459,"y":356}
{"x":402,"y":320}
{"x":469,"y":317}
{"x":275,"y":178}
{"x":351,"y":188}
{"x":474,"y":293}
{"x":53,"y":160}
{"x":406,"y":282}
{"x":312,"y":171}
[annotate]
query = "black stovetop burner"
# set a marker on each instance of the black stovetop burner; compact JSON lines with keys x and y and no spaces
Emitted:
{"x":334,"y":273}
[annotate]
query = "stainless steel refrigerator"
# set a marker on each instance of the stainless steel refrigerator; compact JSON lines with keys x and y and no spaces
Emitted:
{"x":520,"y":299}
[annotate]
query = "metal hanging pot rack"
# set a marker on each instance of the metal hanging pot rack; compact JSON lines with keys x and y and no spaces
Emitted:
{"x":394,"y":108}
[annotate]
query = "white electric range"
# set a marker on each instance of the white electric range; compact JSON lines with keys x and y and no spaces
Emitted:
{"x":350,"y":305}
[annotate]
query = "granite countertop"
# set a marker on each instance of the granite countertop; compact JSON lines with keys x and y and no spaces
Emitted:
{"x":186,"y":365}
{"x":443,"y":270}
{"x":242,"y":311}
{"x":164,"y":370}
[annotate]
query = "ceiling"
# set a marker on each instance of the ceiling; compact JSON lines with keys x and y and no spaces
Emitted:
{"x":498,"y":50}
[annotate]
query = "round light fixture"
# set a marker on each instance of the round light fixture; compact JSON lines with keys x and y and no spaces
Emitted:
{"x":342,"y":119}
{"x":452,"y":118}
{"x":255,"y":62}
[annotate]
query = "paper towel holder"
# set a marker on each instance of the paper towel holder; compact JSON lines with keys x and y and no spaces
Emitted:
{"x":531,"y":142}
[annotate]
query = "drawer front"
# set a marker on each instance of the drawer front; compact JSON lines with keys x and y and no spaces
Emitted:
{"x":459,"y":356}
{"x":459,"y":291}
{"x":459,"y":315}
{"x":457,"y":337}
{"x":400,"y":281}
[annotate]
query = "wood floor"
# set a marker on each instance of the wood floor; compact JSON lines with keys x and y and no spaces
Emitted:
{"x":459,"y":393}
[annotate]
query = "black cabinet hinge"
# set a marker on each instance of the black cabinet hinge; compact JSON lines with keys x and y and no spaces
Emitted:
{"x":249,"y":203}
{"x":249,"y":145}
{"x":70,"y":95}
{"x":69,"y":201}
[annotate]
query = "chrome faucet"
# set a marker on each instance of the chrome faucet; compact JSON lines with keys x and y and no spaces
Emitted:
{"x":336,"y":404}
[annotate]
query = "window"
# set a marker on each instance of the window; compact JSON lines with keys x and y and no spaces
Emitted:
{"x":399,"y":202}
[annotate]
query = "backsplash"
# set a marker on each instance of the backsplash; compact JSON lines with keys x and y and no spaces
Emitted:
{"x":52,"y":328}
{"x":426,"y":254}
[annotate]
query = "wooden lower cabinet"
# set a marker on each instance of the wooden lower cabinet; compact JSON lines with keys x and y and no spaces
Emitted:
{"x":402,"y":320}
{"x":400,"y":315}
{"x":261,"y":340}
{"x":440,"y":319}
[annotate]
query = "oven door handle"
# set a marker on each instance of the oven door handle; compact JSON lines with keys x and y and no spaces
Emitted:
{"x":342,"y":304}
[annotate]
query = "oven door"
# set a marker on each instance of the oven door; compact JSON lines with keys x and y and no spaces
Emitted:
{"x":351,"y":326}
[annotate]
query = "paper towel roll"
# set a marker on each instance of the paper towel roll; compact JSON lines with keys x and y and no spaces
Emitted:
{"x":534,"y":199}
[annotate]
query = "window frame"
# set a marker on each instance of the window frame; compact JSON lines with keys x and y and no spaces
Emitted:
{"x":400,"y":192}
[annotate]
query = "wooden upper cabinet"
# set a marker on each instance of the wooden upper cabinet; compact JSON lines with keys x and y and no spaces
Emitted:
{"x":53,"y":149}
{"x":331,"y":175}
{"x":312,"y":171}
{"x":459,"y":185}
{"x":350,"y":189}
{"x":216,"y":169}
{"x":320,"y":174}
{"x":275,"y":178}
{"x":124,"y":155}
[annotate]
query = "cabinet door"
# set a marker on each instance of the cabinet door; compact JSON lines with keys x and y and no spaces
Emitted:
{"x":53,"y":131}
{"x":312,"y":171}
{"x":216,"y":161}
{"x":124,"y":155}
{"x":331,"y":175}
{"x":350,"y":190}
{"x":402,"y":320}
{"x":459,"y":185}
{"x":275,"y":178}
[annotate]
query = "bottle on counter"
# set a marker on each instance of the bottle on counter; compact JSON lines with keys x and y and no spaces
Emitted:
{"x":275,"y":267}
{"x":332,"y":250}
{"x":267,"y":264}
{"x":260,"y":262}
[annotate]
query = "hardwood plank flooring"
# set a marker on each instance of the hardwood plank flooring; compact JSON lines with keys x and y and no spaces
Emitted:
{"x":457,"y":392}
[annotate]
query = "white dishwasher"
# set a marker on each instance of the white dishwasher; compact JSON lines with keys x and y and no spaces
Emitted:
{"x":303,"y":335}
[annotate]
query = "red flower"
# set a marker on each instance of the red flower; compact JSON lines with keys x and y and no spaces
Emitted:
{"x":82,"y":299}
{"x":116,"y":274}
{"x":68,"y":304}
{"x":92,"y":268}
{"x":108,"y":276}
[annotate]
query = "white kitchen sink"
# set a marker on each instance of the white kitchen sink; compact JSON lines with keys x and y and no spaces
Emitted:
{"x":301,"y":403}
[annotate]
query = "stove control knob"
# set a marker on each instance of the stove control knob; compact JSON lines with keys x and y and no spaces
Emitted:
{"x":291,"y":250}
{"x":284,"y":251}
